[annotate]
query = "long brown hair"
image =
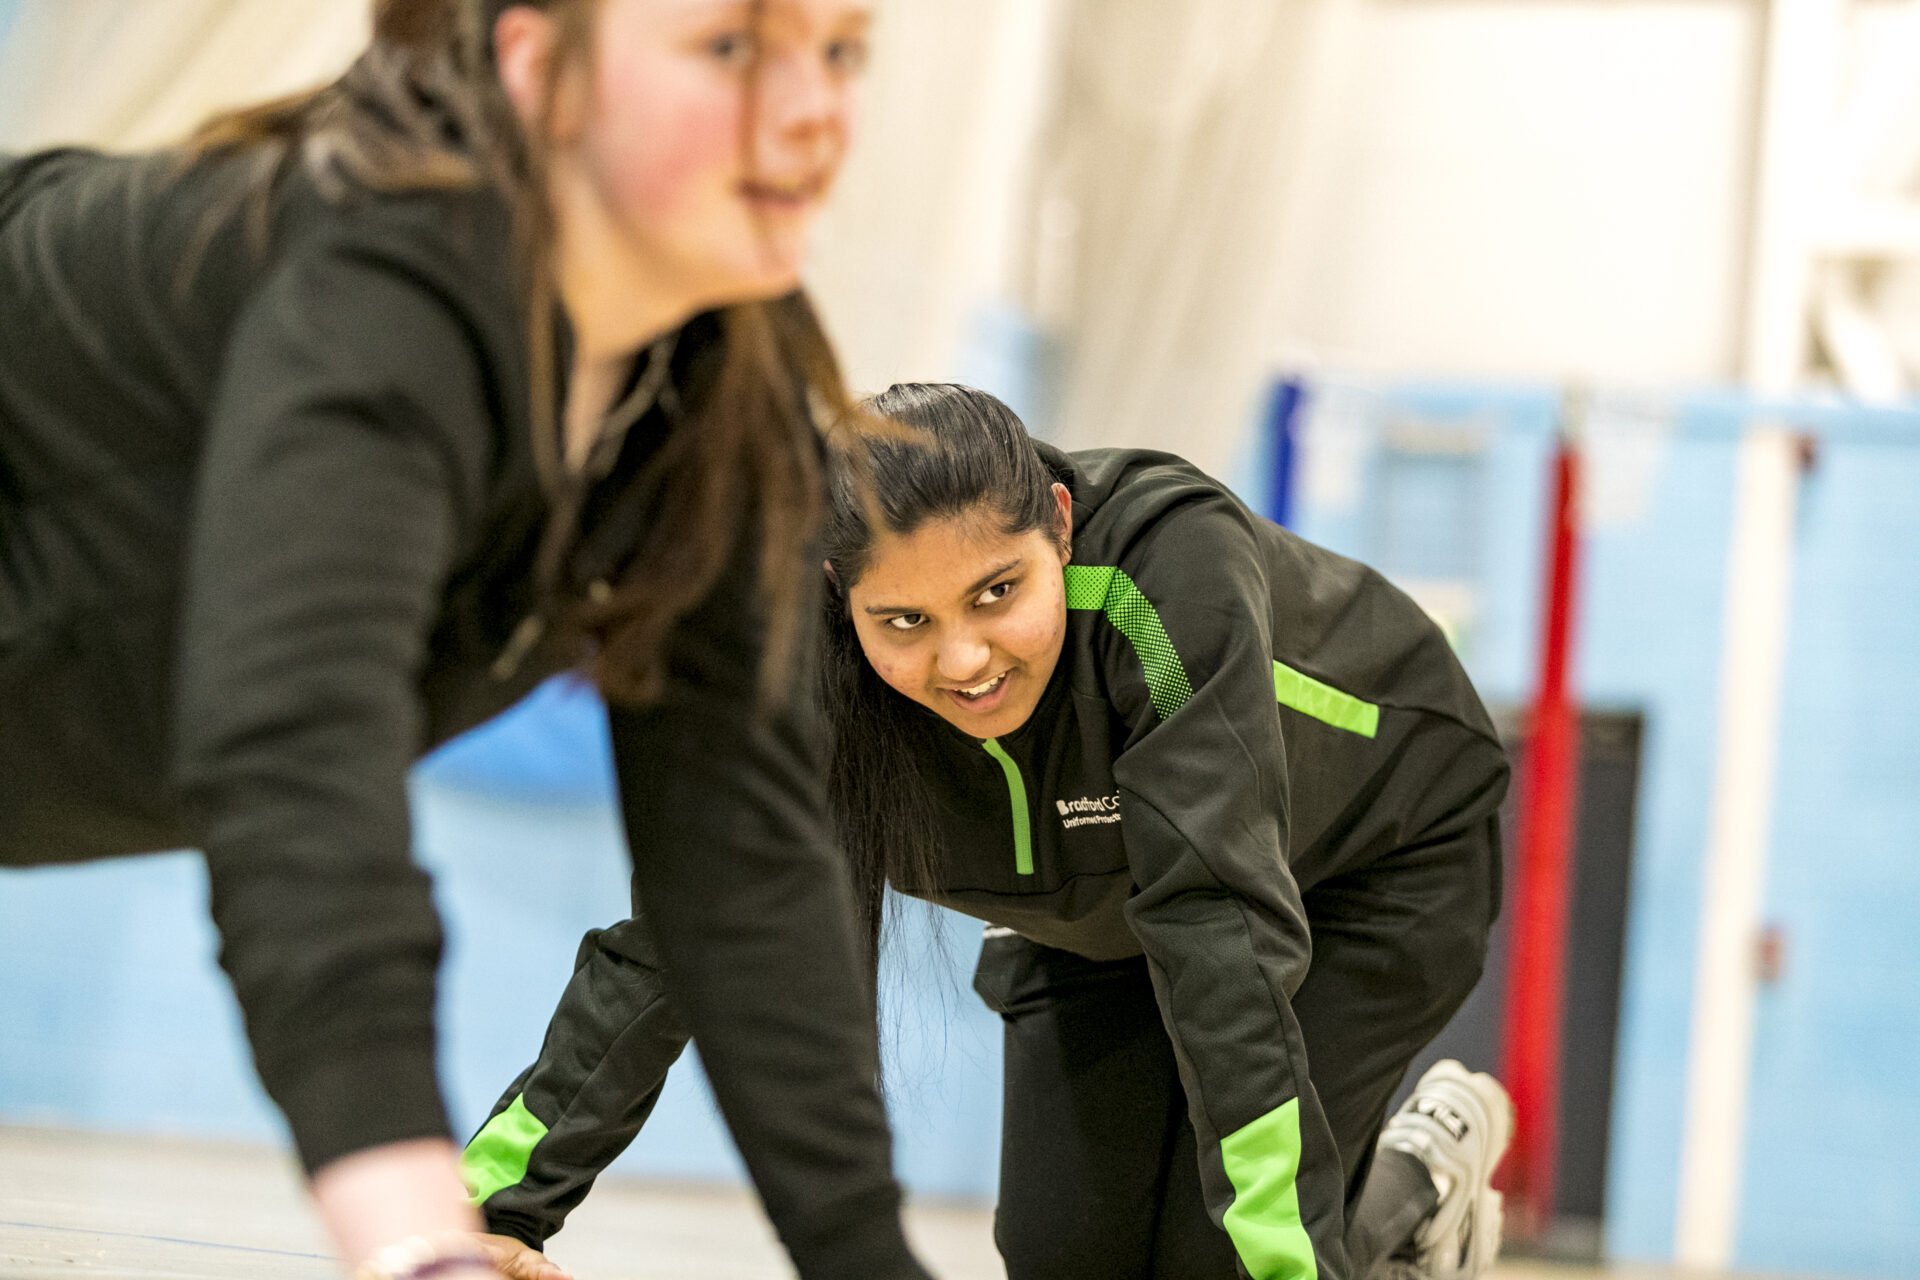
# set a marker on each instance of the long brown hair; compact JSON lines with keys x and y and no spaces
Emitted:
{"x":423,"y":108}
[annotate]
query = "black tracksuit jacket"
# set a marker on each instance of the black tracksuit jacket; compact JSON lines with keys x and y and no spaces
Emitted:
{"x":268,"y":509}
{"x":1237,"y":716}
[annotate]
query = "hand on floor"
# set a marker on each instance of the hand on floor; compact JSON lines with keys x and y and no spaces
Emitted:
{"x":516,"y":1261}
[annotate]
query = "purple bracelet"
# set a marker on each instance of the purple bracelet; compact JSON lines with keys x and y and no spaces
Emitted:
{"x":440,"y":1266}
{"x":423,"y":1258}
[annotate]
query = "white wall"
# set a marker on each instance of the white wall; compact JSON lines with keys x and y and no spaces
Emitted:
{"x":921,"y":232}
{"x":1553,"y":189}
{"x":140,"y":73}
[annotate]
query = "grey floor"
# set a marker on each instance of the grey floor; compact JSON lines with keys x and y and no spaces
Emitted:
{"x":111,"y":1208}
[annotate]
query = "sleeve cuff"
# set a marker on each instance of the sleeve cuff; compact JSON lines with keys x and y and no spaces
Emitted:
{"x":362,"y":1098}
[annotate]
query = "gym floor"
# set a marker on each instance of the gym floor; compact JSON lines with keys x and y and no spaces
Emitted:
{"x":113,"y":1208}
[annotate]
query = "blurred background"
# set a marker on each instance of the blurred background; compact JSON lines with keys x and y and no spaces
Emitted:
{"x":1593,"y":323}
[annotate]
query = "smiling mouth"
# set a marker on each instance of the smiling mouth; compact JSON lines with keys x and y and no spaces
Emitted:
{"x":786,"y":195}
{"x":986,"y":688}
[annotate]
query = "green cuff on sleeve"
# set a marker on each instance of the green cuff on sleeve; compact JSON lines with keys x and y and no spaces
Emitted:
{"x":498,"y":1155}
{"x":1262,"y":1161}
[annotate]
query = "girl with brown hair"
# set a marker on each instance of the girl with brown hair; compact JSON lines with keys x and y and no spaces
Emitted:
{"x":332,"y":433}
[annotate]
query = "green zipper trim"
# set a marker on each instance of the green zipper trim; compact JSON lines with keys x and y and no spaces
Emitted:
{"x":1017,"y":793}
{"x":497,"y":1157}
{"x":1324,"y":702}
{"x":1109,"y":590}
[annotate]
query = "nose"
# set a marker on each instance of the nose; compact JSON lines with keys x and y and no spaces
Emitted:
{"x":804,"y":105}
{"x":963,"y":657}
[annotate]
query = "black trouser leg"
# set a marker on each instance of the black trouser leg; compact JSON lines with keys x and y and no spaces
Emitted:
{"x":1396,"y":1198}
{"x":1185,"y":1241}
{"x":1397,"y":946}
{"x":1098,"y":1174}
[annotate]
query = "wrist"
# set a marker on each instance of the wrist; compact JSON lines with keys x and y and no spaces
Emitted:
{"x":403,"y":1192}
{"x":443,"y":1256}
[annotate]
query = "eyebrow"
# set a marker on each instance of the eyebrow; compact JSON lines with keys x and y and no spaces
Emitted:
{"x":980,"y":584}
{"x":859,"y":18}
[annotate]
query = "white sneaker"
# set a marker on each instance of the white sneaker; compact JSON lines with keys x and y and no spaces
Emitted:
{"x":1458,"y":1123}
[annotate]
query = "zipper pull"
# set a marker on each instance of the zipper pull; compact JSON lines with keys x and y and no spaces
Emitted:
{"x":519,"y":645}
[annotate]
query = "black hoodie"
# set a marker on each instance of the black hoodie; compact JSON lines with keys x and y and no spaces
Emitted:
{"x":1237,"y":716}
{"x":268,"y":510}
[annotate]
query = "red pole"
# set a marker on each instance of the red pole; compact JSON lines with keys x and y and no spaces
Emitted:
{"x":1548,"y":791}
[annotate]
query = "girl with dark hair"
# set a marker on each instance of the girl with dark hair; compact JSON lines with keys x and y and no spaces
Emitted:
{"x":333,"y":432}
{"x":1228,"y":803}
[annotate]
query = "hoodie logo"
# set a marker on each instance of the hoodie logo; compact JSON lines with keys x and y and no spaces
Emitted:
{"x":1089,"y":810}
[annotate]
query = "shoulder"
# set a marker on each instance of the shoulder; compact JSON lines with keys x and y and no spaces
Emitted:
{"x":457,"y":246}
{"x":231,"y":215}
{"x":1173,"y":553}
{"x":1114,"y":488}
{"x":1160,"y":518}
{"x":411,"y":289}
{"x":1167,"y":575}
{"x":398,"y":311}
{"x":1160,"y":521}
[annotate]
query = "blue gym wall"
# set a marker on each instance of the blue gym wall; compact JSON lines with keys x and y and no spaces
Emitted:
{"x":1833,"y":1178}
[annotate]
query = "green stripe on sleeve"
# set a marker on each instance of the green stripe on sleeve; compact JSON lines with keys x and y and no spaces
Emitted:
{"x":1262,"y":1162}
{"x":1111,"y":591}
{"x":1324,"y":702}
{"x":1087,"y":585}
{"x":1017,"y":796}
{"x":497,"y":1157}
{"x":1139,"y":622}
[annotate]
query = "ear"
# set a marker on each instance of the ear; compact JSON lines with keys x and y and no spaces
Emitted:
{"x":1063,"y":500}
{"x":523,"y":42}
{"x":832,"y":577}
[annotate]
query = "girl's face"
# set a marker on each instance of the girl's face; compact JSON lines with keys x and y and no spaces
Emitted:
{"x":709,"y":132}
{"x":966,"y":620}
